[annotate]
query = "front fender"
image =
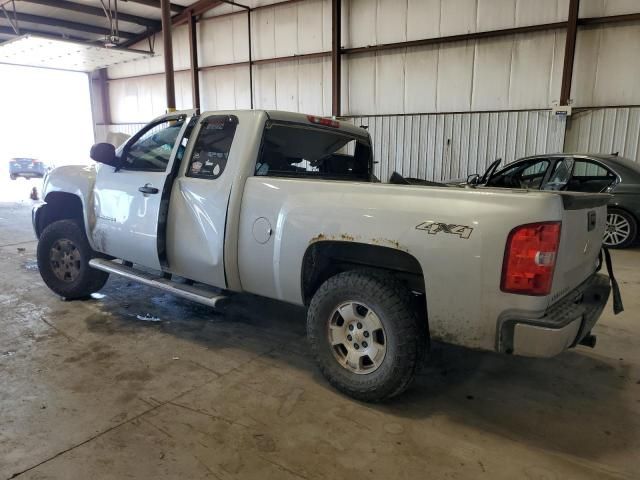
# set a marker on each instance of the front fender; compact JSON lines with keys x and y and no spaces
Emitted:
{"x":78,"y":180}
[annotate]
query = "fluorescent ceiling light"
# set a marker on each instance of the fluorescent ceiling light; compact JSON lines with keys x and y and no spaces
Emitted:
{"x":36,"y":51}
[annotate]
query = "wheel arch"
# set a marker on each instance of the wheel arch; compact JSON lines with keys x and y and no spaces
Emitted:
{"x":325,"y":259}
{"x":59,"y":206}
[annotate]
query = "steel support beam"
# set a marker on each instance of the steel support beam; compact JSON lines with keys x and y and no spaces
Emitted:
{"x":157,"y":4}
{"x":194,"y":10}
{"x":56,"y":22}
{"x":193,"y":52}
{"x":336,"y":62}
{"x":95,"y":11}
{"x":168,"y":56}
{"x":569,"y":52}
{"x":24,"y":31}
{"x":101,"y":91}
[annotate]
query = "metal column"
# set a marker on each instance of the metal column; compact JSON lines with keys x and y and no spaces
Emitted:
{"x":336,"y":66}
{"x":193,"y":50}
{"x":569,"y":52}
{"x":168,"y":55}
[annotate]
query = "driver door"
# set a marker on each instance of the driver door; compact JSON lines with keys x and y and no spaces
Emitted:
{"x":127,"y":200}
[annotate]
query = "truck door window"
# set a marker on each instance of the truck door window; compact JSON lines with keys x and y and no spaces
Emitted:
{"x":312,"y":152}
{"x":211,"y":151}
{"x":152,"y":150}
{"x":525,"y":174}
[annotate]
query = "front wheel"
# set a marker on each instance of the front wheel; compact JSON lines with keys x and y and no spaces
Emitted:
{"x":365,"y":334}
{"x":621,"y":229}
{"x":63,"y":261}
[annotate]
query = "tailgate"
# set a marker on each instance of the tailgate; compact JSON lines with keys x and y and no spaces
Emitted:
{"x":583,"y":226}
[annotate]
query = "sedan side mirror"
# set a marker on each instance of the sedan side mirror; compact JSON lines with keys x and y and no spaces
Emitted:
{"x":104,"y":153}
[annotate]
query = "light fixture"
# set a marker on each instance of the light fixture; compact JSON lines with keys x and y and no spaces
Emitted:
{"x":39,"y":51}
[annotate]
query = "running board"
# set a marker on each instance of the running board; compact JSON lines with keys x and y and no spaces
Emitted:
{"x":189,"y":292}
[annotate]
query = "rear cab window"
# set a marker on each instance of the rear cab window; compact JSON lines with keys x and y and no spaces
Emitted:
{"x":314,"y":152}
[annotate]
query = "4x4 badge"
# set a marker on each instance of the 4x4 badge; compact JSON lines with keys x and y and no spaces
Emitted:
{"x":463,"y":231}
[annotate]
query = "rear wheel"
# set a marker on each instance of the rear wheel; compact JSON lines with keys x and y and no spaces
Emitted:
{"x":13,"y":177}
{"x":366,"y":335}
{"x":63,"y":261}
{"x":621,"y":229}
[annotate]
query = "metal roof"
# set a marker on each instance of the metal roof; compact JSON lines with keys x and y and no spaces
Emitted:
{"x":83,"y":20}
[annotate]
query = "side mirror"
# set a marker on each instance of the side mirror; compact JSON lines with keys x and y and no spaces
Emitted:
{"x":104,"y":153}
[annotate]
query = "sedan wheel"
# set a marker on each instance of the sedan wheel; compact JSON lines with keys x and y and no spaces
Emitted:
{"x":621,"y":229}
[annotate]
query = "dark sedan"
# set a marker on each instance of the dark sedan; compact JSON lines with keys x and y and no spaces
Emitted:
{"x":582,"y":173}
{"x":26,"y":167}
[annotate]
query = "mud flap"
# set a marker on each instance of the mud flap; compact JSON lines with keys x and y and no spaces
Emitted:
{"x":615,"y":289}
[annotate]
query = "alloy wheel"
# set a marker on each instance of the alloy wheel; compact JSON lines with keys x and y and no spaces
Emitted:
{"x":357,"y":337}
{"x":617,"y":231}
{"x":65,"y":260}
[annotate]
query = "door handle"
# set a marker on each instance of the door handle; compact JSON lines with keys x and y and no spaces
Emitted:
{"x":148,"y":189}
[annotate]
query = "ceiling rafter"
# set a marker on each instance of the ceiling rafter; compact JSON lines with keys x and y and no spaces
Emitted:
{"x":95,"y":11}
{"x":69,"y":25}
{"x":156,"y":4}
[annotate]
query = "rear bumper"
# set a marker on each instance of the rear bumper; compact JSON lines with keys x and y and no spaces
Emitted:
{"x":27,"y":173}
{"x":561,"y":326}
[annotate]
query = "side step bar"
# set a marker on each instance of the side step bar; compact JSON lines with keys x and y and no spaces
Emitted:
{"x":189,"y":292}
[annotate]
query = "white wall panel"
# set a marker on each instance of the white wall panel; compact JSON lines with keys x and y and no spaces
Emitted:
{"x":423,"y":19}
{"x":361,"y":21}
{"x":311,"y":27}
{"x":421,"y":80}
{"x":286,"y":30}
{"x":458,"y":16}
{"x":618,"y":66}
{"x":223,"y":41}
{"x":599,"y":8}
{"x":491,"y":74}
{"x":455,"y":74}
{"x":135,"y":100}
{"x":263,"y":33}
{"x":390,"y":81}
{"x":531,"y":69}
{"x":605,"y":130}
{"x":391,"y":21}
{"x":264,"y":90}
{"x":496,"y":14}
{"x":607,"y":66}
{"x":541,"y":11}
{"x":444,"y":146}
{"x":362,"y":73}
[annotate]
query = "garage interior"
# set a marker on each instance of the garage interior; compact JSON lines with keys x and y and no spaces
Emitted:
{"x":136,"y":383}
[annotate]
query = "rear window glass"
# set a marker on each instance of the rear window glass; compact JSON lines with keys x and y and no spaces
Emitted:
{"x":313,"y":152}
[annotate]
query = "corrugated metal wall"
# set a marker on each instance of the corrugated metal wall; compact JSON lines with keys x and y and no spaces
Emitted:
{"x":408,"y":96}
{"x":605,"y":130}
{"x":445,"y":146}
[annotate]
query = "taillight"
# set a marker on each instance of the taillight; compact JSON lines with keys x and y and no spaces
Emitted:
{"x":325,"y":122}
{"x":530,"y":258}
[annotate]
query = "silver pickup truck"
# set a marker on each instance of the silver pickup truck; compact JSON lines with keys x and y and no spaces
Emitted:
{"x":286,"y":206}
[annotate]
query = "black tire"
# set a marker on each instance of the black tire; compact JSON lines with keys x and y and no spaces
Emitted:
{"x":13,"y":177}
{"x":625,"y":234}
{"x":405,"y":334}
{"x":87,"y":280}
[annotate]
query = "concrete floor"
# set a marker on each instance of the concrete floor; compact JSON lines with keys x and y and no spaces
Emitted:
{"x":87,"y":390}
